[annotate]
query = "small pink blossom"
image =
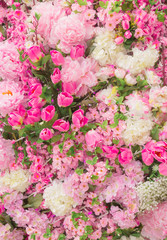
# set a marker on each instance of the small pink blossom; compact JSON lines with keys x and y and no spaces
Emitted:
{"x":119,"y":40}
{"x":92,"y":138}
{"x":128,"y":34}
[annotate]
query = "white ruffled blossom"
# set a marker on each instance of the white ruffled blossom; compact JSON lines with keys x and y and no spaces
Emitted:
{"x":137,"y":131}
{"x":108,"y":95}
{"x":17,"y":180}
{"x":106,"y":51}
{"x":57,"y":200}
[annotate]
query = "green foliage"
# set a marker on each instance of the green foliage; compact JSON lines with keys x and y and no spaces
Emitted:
{"x":48,"y":233}
{"x":61,"y":237}
{"x":46,"y":94}
{"x":92,"y":162}
{"x":82,"y":2}
{"x":75,"y":216}
{"x":95,"y":201}
{"x":34,"y":202}
{"x":103,"y":4}
{"x":108,"y":166}
{"x":88,"y":127}
{"x":155,"y":132}
{"x":37,"y":16}
{"x":79,"y":171}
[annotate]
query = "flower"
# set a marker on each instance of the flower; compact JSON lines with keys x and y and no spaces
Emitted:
{"x":6,"y":152}
{"x":46,"y":134}
{"x":125,"y":156}
{"x":48,"y":113}
{"x":56,"y":76}
{"x":108,"y":95}
{"x":35,"y":53}
{"x":64,"y":99}
{"x":77,"y":51}
{"x":16,"y":179}
{"x":78,"y":118}
{"x":92,"y":138}
{"x":61,"y":125}
{"x":57,"y":200}
{"x":11,"y":95}
{"x":57,"y":57}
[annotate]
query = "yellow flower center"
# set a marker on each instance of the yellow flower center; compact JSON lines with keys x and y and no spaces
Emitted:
{"x":8,"y":92}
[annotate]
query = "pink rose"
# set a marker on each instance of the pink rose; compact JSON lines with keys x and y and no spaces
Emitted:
{"x":46,"y":134}
{"x":77,"y":51}
{"x":78,"y":118}
{"x":92,"y":138}
{"x":147,"y":157}
{"x":163,"y":169}
{"x":64,"y":99}
{"x":35,"y":53}
{"x":61,"y":125}
{"x":125,"y":156}
{"x":56,"y":76}
{"x":119,"y":40}
{"x":57,"y":57}
{"x":48,"y":113}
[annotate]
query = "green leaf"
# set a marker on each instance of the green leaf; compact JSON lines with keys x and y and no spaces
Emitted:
{"x":92,"y":162}
{"x":35,"y":202}
{"x":46,"y":94}
{"x":71,"y":152}
{"x":94,"y":177}
{"x":115,"y":141}
{"x":50,"y":149}
{"x":95,"y":201}
{"x":48,"y":233}
{"x":33,"y":236}
{"x":88,"y":229}
{"x":98,"y":150}
{"x":56,"y":138}
{"x":136,"y":234}
{"x":13,"y":7}
{"x":79,"y":171}
{"x":103,"y":4}
{"x":45,"y":59}
{"x":61,"y":237}
{"x":37,"y":16}
{"x":161,"y":16}
{"x":82,"y":2}
{"x":61,"y":145}
{"x":88,"y":127}
{"x":115,"y":124}
{"x":155,"y":133}
{"x":108,"y":166}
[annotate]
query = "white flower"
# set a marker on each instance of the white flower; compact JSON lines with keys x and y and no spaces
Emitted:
{"x":158,"y":96}
{"x":152,"y":78}
{"x":17,"y":180}
{"x":57,"y":200}
{"x":130,"y":80}
{"x":107,"y":95}
{"x":137,"y":131}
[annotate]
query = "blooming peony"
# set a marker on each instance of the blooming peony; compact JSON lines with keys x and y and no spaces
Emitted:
{"x":57,"y":200}
{"x":11,"y":95}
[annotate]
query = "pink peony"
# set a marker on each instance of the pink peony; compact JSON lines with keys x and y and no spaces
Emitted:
{"x":154,"y":222}
{"x":125,"y":156}
{"x":78,"y":75}
{"x":78,"y":118}
{"x":10,"y":65}
{"x":77,"y":51}
{"x":11,"y":95}
{"x":61,"y":125}
{"x":46,"y":134}
{"x":70,"y":30}
{"x":111,"y":151}
{"x":48,"y":113}
{"x":64,"y":99}
{"x":147,"y":157}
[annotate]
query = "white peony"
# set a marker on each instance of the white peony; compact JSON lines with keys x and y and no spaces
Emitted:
{"x":17,"y":180}
{"x":57,"y":200}
{"x":137,"y":131}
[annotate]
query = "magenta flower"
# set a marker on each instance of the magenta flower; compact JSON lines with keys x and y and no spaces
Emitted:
{"x":64,"y":99}
{"x":92,"y":138}
{"x":56,"y":76}
{"x":35,"y":53}
{"x":61,"y":125}
{"x":48,"y":113}
{"x":77,"y":51}
{"x":57,"y":57}
{"x":78,"y":118}
{"x":125,"y":156}
{"x":46,"y":134}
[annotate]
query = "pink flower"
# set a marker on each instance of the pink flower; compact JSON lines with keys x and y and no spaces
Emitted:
{"x":119,"y":40}
{"x":111,"y":151}
{"x":33,"y":115}
{"x":11,"y":96}
{"x":163,"y":169}
{"x":35,"y":90}
{"x":64,"y":99}
{"x":78,"y":118}
{"x":77,"y":51}
{"x":16,"y":118}
{"x":128,"y":34}
{"x":57,"y":57}
{"x":46,"y":134}
{"x":125,"y":156}
{"x":61,"y":125}
{"x":92,"y":138}
{"x":138,"y":33}
{"x":147,"y":157}
{"x":125,"y":24}
{"x":56,"y":76}
{"x":37,"y":102}
{"x":70,"y":30}
{"x":48,"y":113}
{"x":35,"y":53}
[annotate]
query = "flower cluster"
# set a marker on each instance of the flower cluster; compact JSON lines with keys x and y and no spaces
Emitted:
{"x":83,"y":123}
